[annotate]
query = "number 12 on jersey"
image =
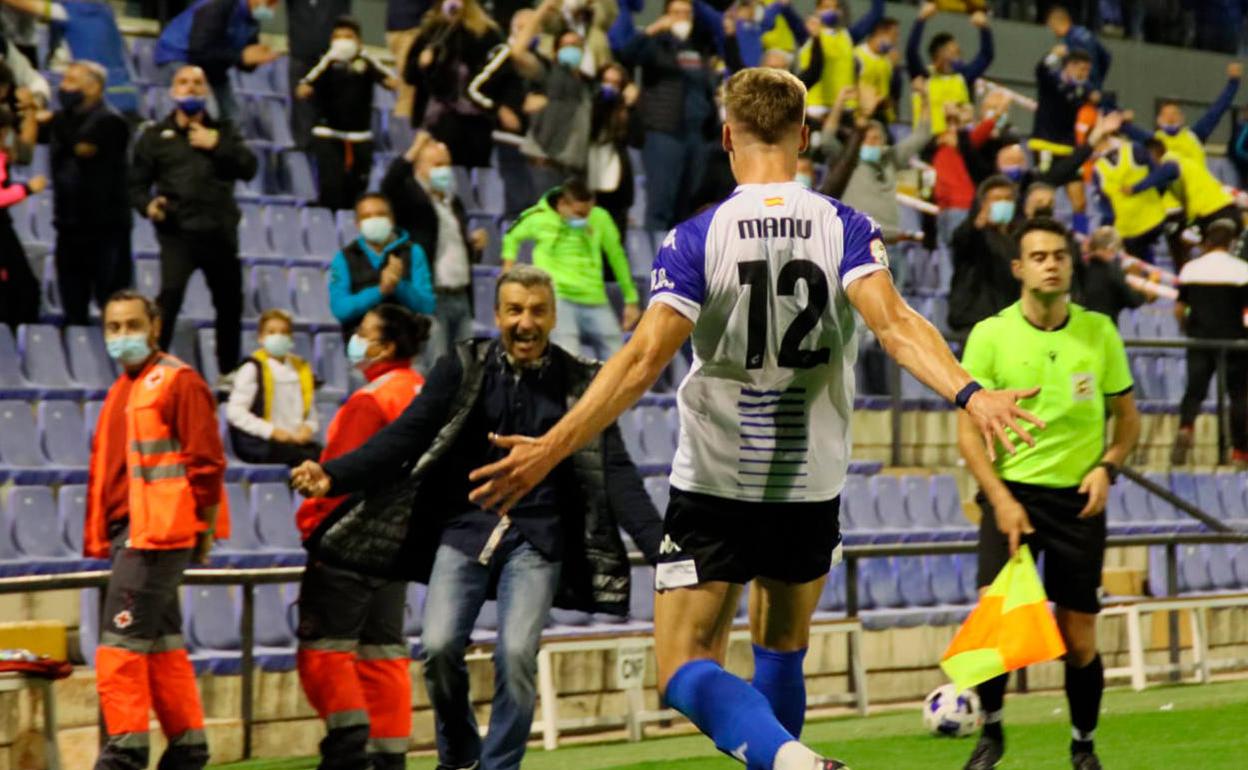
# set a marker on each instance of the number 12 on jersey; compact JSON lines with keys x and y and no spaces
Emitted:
{"x":756,"y":275}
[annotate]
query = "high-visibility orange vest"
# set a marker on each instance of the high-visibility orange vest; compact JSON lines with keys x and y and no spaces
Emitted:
{"x":163,"y":515}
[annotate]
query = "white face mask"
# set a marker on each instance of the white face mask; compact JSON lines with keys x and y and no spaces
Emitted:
{"x":343,"y":49}
{"x":682,"y":29}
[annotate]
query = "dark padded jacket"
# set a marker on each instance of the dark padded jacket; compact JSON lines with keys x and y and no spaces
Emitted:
{"x":383,"y":531}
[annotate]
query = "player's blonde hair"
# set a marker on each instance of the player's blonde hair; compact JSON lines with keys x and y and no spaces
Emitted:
{"x":766,"y":103}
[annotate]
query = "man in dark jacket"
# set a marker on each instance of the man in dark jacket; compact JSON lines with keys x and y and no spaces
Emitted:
{"x":182,"y":178}
{"x":217,"y":35}
{"x":983,"y":247}
{"x":559,"y":546}
{"x":89,"y":141}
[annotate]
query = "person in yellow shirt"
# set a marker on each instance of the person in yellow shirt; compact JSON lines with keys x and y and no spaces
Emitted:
{"x":875,"y":62}
{"x":1172,"y":129}
{"x":836,"y":41}
{"x":950,"y":80}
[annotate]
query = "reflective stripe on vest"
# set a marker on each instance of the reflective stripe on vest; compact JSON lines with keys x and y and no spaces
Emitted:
{"x":1133,"y":214}
{"x":942,"y":90}
{"x":838,"y":66}
{"x":307,"y":382}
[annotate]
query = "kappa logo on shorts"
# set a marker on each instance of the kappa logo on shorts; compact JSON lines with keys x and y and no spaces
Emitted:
{"x":123,"y":619}
{"x":668,"y":546}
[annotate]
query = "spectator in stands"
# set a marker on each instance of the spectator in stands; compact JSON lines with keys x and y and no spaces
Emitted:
{"x":402,"y":25}
{"x":955,"y":155}
{"x":610,"y":167}
{"x":1078,"y":38}
{"x":382,"y":266}
{"x":1063,"y":87}
{"x":875,"y":61}
{"x":310,"y":27}
{"x":561,"y":543}
{"x":950,"y":80}
{"x":421,"y":187}
{"x":1213,"y":298}
{"x":983,"y":248}
{"x":744,"y":29}
{"x":561,"y":112}
{"x":677,"y":110}
{"x":341,"y":83}
{"x":1172,"y":129}
{"x":590,"y":20}
{"x":1104,"y":286}
{"x":217,"y":36}
{"x":182,"y":178}
{"x":570,"y":237}
{"x":89,"y":32}
{"x":1204,"y":198}
{"x":1140,"y":219}
{"x":19,"y":289}
{"x":24,"y":110}
{"x":90,"y":160}
{"x":836,"y":39}
{"x":353,"y":657}
{"x":453,"y":43}
{"x":271,"y":410}
{"x":155,"y":503}
{"x":501,"y":90}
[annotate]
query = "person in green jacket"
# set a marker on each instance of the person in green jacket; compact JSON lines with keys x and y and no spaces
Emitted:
{"x":570,"y":235}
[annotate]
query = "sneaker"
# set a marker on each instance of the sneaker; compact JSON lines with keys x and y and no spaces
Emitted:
{"x":987,"y":754}
{"x":1085,"y":760}
{"x":1183,"y":442}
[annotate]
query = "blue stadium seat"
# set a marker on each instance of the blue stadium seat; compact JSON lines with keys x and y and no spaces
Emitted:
{"x":344,"y":220}
{"x":414,"y":610}
{"x":13,"y":384}
{"x":321,"y":233}
{"x":275,"y":520}
{"x":44,"y":358}
{"x":857,"y":510}
{"x":197,"y":302}
{"x":309,"y":288}
{"x":71,"y":510}
{"x":1206,"y":495}
{"x":273,"y":120}
{"x":640,"y":247}
{"x":303,"y":344}
{"x":659,"y":490}
{"x":273,"y":614}
{"x":258,"y":81}
{"x":1240,"y":564}
{"x":270,"y":288}
{"x":89,"y":363}
{"x":298,"y":174}
{"x":890,"y":505}
{"x":243,"y":538}
{"x":949,"y":504}
{"x":489,"y":191}
{"x":30,"y":512}
{"x":61,"y":426}
{"x":142,"y":53}
{"x":1221,"y":561}
{"x":21,"y":459}
{"x":331,"y":362}
{"x":641,"y":601}
{"x":1231,"y":493}
{"x":968,"y":569}
{"x":286,"y":233}
{"x":630,"y":431}
{"x":89,"y":623}
{"x":1194,"y":569}
{"x":213,"y":614}
{"x":91,"y":418}
{"x":657,"y":436}
{"x":147,"y":277}
{"x":832,"y":599}
{"x":920,"y":505}
{"x":914,"y":582}
{"x":946,"y":582}
{"x":253,"y":233}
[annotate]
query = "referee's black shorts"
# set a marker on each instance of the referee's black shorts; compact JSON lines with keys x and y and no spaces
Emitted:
{"x":1073,"y":548}
{"x":716,"y":539}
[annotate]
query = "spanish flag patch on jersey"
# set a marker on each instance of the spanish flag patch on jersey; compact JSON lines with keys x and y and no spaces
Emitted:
{"x":776,"y":201}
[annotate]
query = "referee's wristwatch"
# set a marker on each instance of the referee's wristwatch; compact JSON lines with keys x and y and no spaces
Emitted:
{"x":1112,"y":470}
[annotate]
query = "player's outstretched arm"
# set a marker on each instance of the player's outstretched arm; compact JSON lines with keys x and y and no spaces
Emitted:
{"x":623,"y":379}
{"x":919,"y":348}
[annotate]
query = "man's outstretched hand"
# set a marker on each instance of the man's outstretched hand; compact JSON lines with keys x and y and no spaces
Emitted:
{"x":310,"y":480}
{"x":993,"y":411}
{"x":511,"y":478}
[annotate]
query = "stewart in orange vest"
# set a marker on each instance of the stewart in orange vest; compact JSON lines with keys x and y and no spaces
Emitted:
{"x":155,"y":502}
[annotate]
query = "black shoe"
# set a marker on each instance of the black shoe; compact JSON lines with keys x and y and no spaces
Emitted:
{"x":987,"y":754}
{"x":1085,"y":760}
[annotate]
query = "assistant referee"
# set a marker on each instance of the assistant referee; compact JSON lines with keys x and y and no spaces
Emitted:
{"x":1051,"y":495}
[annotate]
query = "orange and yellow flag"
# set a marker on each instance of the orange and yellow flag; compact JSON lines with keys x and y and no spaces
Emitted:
{"x":1011,"y":627}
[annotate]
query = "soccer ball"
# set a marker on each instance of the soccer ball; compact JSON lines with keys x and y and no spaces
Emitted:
{"x":952,"y":714}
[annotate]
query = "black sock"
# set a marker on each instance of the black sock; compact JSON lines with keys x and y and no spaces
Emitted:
{"x":992,"y":698}
{"x":1084,"y":687}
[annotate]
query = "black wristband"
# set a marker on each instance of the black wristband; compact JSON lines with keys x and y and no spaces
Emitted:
{"x":964,"y":396}
{"x":1112,"y":470}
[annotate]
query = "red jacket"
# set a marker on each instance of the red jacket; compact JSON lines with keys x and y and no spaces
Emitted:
{"x":391,"y":387}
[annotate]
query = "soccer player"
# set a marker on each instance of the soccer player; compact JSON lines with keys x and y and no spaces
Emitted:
{"x":1051,"y":494}
{"x":766,"y":283}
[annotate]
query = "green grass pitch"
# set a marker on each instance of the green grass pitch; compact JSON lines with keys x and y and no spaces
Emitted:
{"x":1197,"y":727}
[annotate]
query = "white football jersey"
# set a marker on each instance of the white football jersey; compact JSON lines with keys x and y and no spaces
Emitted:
{"x":765,"y":410}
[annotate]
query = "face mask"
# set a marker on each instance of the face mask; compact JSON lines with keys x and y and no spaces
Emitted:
{"x":955,"y":64}
{"x":278,"y":345}
{"x":262,"y":13}
{"x":1001,"y":212}
{"x":570,"y":56}
{"x":830,"y":18}
{"x":357,"y":350}
{"x":1172,"y":130}
{"x":578,"y":223}
{"x":70,"y":100}
{"x":377,"y":229}
{"x":191,"y":105}
{"x":682,"y":29}
{"x":804,"y":180}
{"x":1013,"y":173}
{"x":870,"y":153}
{"x":451,"y":7}
{"x":1045,"y":212}
{"x":885,"y":47}
{"x":343,"y":49}
{"x":608,"y":92}
{"x":128,"y":350}
{"x":442,"y":179}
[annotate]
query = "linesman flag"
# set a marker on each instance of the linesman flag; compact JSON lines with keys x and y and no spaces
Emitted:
{"x":1011,"y":627}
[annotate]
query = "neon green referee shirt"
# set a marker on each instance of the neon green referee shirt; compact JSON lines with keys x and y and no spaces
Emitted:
{"x":1077,"y":366}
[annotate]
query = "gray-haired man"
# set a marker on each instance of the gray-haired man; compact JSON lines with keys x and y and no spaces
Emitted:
{"x":560,"y":545}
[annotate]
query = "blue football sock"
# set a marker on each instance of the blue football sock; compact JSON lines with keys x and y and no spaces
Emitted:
{"x":1079,"y":222}
{"x":730,"y":712}
{"x":778,"y":676}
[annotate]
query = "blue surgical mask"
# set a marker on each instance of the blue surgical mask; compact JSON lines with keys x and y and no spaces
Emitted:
{"x":191,"y":105}
{"x":570,"y":56}
{"x":278,"y":345}
{"x":1001,"y":212}
{"x":442,"y":179}
{"x":578,"y":223}
{"x":609,"y":92}
{"x":376,"y":229}
{"x":804,"y":180}
{"x":357,"y":350}
{"x":262,"y":13}
{"x":830,"y":18}
{"x":886,"y":46}
{"x":1172,"y":130}
{"x":128,"y":350}
{"x":870,"y":153}
{"x":1013,"y":173}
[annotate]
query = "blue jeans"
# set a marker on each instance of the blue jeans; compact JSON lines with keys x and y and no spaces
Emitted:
{"x":593,"y":325}
{"x":452,"y":323}
{"x":457,"y":588}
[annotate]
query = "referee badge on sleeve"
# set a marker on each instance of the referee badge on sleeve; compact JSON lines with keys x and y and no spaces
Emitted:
{"x":1083,"y":386}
